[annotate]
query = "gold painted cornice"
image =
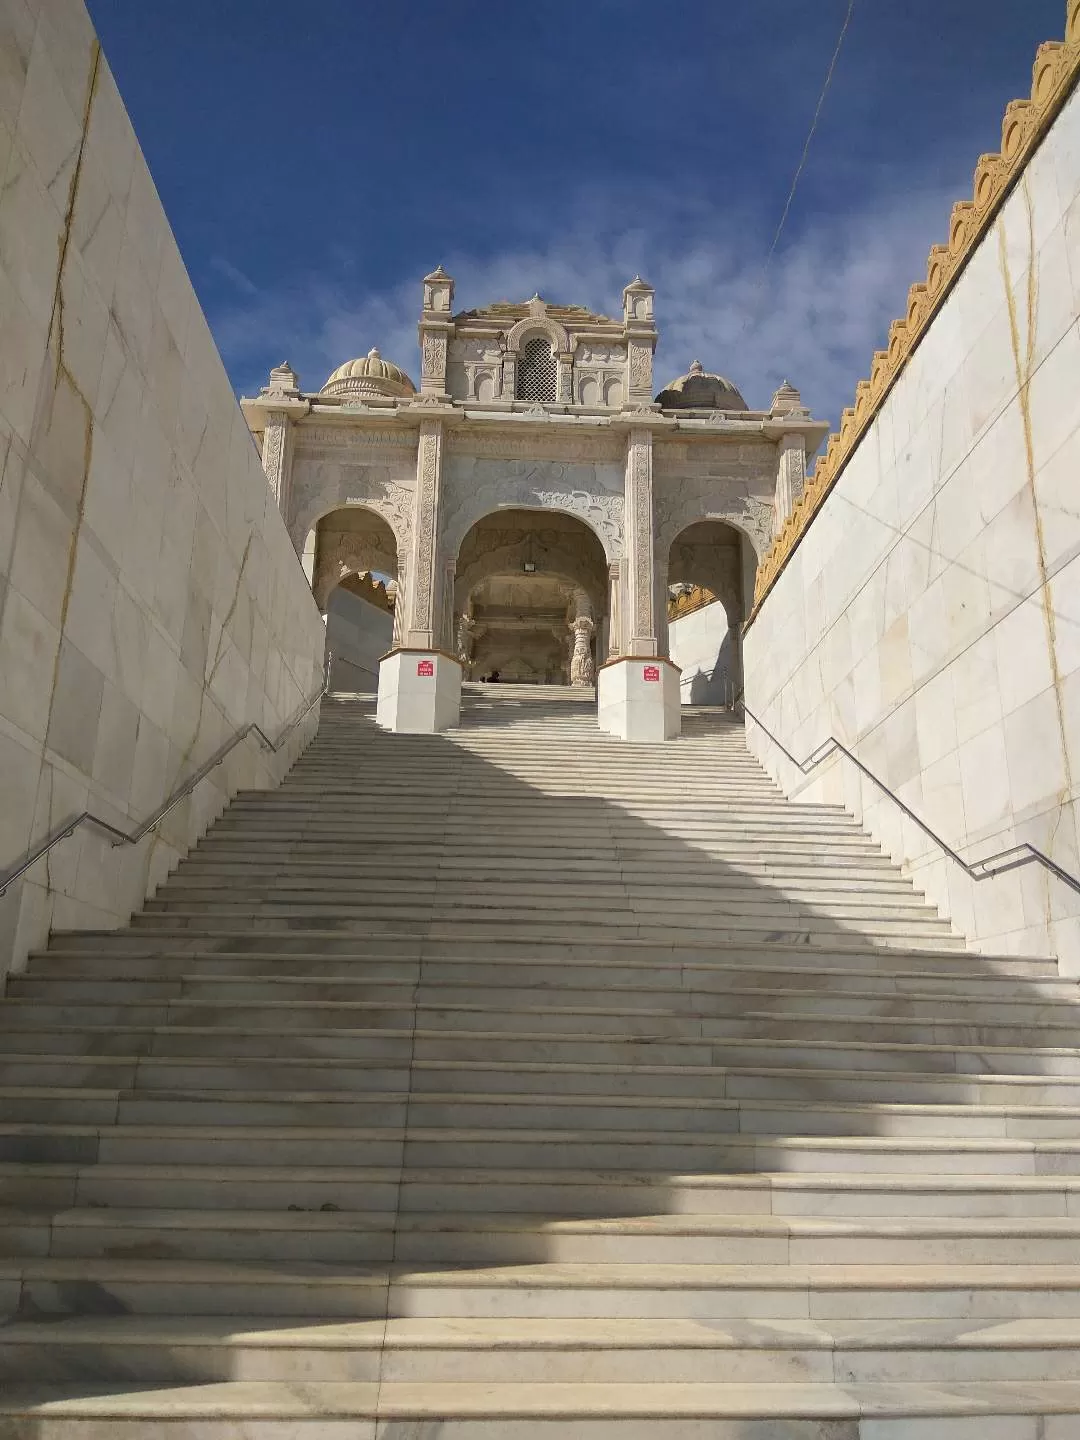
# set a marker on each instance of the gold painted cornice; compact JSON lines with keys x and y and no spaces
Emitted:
{"x":687,"y":603}
{"x":1057,"y":65}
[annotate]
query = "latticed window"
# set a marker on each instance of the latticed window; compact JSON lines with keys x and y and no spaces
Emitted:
{"x":538,"y":372}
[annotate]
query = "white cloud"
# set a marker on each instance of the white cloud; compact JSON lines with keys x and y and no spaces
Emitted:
{"x":826,"y":304}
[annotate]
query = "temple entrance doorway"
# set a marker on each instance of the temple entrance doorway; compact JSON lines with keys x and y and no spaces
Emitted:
{"x":530,"y":599}
{"x":354,"y":569}
{"x":710,"y":577}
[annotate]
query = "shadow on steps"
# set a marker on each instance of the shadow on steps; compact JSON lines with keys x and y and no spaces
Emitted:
{"x":523,"y":1061}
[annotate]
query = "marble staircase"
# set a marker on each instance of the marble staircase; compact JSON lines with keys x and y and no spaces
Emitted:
{"x":518,"y":1083}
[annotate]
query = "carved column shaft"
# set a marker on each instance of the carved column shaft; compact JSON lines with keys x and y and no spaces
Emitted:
{"x":566,"y":377}
{"x":400,"y":601}
{"x":639,"y":367}
{"x":614,"y":609}
{"x":433,"y":346}
{"x":790,"y":476}
{"x":639,"y":624}
{"x":277,"y":457}
{"x":422,"y":599}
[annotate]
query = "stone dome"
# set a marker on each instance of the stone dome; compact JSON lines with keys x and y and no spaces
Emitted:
{"x":370,"y":375}
{"x":698,"y":390}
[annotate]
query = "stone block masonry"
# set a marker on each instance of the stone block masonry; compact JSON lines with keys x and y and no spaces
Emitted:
{"x":150,"y":600}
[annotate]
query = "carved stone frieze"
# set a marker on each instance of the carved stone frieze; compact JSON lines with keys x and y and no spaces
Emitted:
{"x":589,"y":354}
{"x":475,"y":349}
{"x":679,"y":502}
{"x":434,"y":354}
{"x":640,"y":367}
{"x":324,"y":486}
{"x":603,"y":445}
{"x":341,"y":437}
{"x":580,"y":490}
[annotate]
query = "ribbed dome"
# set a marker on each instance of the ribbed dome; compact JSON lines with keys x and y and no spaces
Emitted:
{"x":699,"y":390}
{"x":370,"y":375}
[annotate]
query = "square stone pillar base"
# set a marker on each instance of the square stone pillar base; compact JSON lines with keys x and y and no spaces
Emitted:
{"x":638,"y":699}
{"x":419,"y":692}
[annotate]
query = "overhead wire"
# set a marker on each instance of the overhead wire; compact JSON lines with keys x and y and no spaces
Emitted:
{"x":805,"y":152}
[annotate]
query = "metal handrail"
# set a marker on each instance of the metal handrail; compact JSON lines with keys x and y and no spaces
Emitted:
{"x":122,"y":837}
{"x":1001,"y":861}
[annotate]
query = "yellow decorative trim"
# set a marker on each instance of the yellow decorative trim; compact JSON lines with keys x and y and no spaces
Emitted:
{"x":1057,"y":65}
{"x":686,"y":604}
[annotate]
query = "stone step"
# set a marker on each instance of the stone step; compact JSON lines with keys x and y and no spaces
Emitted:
{"x":561,"y":1023}
{"x":411,"y":862}
{"x":157,"y":1072}
{"x":403,"y":1046}
{"x":510,"y":1110}
{"x":596,"y":904}
{"x":580,"y":1193}
{"x":529,"y":1411}
{"x":383,"y":976}
{"x":923,"y":960}
{"x":163,"y":1349}
{"x":263,"y":882}
{"x":431,"y":993}
{"x":574,"y":926}
{"x":42,"y":1285}
{"x":505,"y":1238}
{"x":535,"y":1149}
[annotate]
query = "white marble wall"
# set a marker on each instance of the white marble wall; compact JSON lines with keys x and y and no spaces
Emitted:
{"x":358,"y":635}
{"x":704,"y":649}
{"x":150,"y":600}
{"x":931,"y":616}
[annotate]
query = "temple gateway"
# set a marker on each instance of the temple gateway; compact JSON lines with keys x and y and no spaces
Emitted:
{"x":538,"y":509}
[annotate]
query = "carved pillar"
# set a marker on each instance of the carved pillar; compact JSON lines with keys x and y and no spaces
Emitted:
{"x":509,"y":376}
{"x":640,"y":330}
{"x":638,"y":627}
{"x":565,"y":391}
{"x":582,"y":628}
{"x":614,"y":609}
{"x":277,"y":457}
{"x":444,"y":634}
{"x":400,"y":601}
{"x":790,"y":476}
{"x":466,"y":641}
{"x":436,"y":327}
{"x":422,"y":598}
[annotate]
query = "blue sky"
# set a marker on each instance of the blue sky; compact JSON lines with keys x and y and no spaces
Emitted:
{"x":316,"y":161}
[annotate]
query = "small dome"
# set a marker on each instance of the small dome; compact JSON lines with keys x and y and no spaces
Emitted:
{"x":370,"y":375}
{"x":698,"y":390}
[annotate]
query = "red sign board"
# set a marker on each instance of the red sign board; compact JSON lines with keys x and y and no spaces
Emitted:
{"x":425,"y":667}
{"x":651,"y":672}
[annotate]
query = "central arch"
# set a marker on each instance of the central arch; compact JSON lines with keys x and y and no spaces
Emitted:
{"x":530,"y":598}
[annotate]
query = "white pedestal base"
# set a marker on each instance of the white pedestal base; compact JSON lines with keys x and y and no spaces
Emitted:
{"x":638,"y":699}
{"x":419,"y":692}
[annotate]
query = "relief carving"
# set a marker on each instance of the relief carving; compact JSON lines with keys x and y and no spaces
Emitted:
{"x":640,"y":367}
{"x":544,"y":486}
{"x":434,"y":355}
{"x":427,"y":481}
{"x":684,"y":500}
{"x":318,"y":489}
